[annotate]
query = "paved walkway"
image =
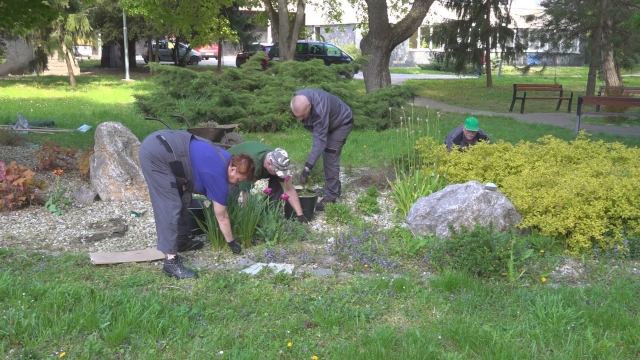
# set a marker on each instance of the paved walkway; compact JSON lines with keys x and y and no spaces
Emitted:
{"x":558,"y":119}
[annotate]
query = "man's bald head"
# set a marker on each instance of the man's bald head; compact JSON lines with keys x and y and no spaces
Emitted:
{"x":301,"y":107}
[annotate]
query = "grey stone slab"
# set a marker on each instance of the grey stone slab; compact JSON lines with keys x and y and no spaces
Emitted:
{"x":257,"y":267}
{"x":322,"y":272}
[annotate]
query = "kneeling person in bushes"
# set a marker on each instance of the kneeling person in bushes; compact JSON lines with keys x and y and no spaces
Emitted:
{"x":466,"y":134}
{"x":272,"y":164}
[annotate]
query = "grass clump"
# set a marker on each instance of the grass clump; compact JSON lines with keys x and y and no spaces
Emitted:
{"x":338,"y":213}
{"x":482,"y":252}
{"x":368,"y":202}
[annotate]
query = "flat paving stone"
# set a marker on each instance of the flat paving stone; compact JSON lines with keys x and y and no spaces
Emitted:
{"x":276,"y":267}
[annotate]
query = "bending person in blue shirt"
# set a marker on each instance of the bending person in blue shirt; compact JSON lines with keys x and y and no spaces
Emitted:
{"x":176,"y":164}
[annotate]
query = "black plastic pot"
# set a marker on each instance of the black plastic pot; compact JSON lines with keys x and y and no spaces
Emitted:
{"x":195,"y":211}
{"x":308,"y":204}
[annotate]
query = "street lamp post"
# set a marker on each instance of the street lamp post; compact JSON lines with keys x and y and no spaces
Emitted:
{"x":126,"y":45}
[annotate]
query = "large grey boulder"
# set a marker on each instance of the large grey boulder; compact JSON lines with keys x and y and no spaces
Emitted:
{"x":465,"y":204}
{"x":114,"y":166}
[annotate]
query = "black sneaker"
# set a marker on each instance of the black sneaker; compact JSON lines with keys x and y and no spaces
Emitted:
{"x":322,"y":203}
{"x":187,"y":243}
{"x":174,"y":267}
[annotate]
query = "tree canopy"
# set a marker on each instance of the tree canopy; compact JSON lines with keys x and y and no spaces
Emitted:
{"x":17,"y":17}
{"x":199,"y":22}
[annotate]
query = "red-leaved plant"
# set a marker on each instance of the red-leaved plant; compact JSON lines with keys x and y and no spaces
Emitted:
{"x":17,"y":186}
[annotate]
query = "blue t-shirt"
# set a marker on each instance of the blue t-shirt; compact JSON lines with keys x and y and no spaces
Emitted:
{"x":209,"y":164}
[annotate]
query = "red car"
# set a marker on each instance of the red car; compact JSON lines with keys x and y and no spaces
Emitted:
{"x":242,"y":56}
{"x":208,"y":51}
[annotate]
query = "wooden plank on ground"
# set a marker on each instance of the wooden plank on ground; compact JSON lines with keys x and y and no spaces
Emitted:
{"x":127,"y":256}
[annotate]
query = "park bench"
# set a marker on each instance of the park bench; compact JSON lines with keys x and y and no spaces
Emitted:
{"x":622,"y":90}
{"x":548,"y":88}
{"x":617,"y":91}
{"x":605,"y":101}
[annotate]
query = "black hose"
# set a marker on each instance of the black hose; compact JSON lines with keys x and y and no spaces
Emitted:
{"x":156,"y":119}
{"x":183,"y":118}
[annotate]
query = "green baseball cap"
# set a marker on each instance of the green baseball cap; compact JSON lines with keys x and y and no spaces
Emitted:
{"x":471,"y":124}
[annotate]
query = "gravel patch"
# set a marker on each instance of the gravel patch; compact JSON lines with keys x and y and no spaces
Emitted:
{"x":106,"y":226}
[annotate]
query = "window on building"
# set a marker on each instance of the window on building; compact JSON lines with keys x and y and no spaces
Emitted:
{"x":421,"y":39}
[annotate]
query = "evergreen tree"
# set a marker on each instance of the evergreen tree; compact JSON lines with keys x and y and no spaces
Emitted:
{"x":610,"y":43}
{"x":483,"y":27}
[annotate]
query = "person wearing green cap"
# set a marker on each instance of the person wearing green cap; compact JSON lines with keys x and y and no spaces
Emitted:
{"x":466,"y":134}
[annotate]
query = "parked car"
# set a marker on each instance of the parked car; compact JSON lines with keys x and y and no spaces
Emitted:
{"x":165,"y":50}
{"x":308,"y":50}
{"x":208,"y":51}
{"x":243,"y":56}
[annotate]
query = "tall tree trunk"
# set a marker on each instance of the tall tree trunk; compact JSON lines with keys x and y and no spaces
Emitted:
{"x":286,"y":48}
{"x":594,"y":53}
{"x":67,"y":60}
{"x":133,"y":64}
{"x":150,"y":53}
{"x":487,"y":46}
{"x":382,"y":38}
{"x":608,"y":66}
{"x":286,"y":35}
{"x":606,"y":46}
{"x":376,"y":72}
{"x":220,"y":56}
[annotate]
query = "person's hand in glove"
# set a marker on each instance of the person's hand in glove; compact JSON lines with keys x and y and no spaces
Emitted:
{"x":235,"y":247}
{"x":304,"y":176}
{"x":303,"y":219}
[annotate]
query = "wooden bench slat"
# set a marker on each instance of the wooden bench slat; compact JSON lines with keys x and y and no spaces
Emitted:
{"x":547,"y":98}
{"x":605,"y":101}
{"x":634,"y":90}
{"x":539,"y":87}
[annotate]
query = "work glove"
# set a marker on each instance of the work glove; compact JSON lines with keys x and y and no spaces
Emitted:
{"x":235,"y":247}
{"x":304,"y":177}
{"x":303,"y":219}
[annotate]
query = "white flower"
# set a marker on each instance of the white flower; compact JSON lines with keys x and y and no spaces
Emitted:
{"x":206,"y":203}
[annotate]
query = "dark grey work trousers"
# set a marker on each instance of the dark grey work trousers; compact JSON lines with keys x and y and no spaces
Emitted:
{"x":170,"y":204}
{"x":331,"y":161}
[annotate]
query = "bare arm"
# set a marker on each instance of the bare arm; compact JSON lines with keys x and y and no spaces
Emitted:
{"x":293,"y":196}
{"x":223,"y":221}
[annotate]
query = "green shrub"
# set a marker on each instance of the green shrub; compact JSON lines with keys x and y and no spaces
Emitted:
{"x":368,"y":205}
{"x":444,"y":67}
{"x":259,"y":100}
{"x":373,"y":192}
{"x":482,"y":252}
{"x":338,"y":213}
{"x":579,"y":190}
{"x":404,"y":243}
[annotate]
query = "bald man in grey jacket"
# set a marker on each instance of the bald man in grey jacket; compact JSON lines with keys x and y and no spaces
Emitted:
{"x":330,"y":120}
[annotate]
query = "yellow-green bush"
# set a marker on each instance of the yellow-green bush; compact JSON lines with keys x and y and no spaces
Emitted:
{"x":582,"y":190}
